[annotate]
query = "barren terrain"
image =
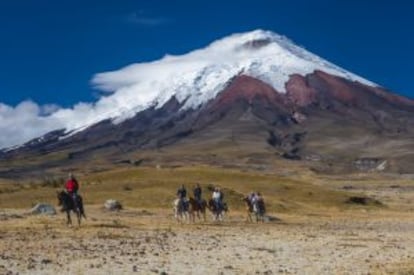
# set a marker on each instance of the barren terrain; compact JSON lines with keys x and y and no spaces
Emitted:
{"x":305,"y":238}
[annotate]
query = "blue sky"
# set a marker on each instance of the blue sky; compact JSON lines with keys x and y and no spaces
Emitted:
{"x":50,"y":49}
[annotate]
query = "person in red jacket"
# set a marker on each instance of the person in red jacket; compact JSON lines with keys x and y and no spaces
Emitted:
{"x":72,"y":187}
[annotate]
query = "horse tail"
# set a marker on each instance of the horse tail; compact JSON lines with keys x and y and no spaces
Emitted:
{"x":81,"y":208}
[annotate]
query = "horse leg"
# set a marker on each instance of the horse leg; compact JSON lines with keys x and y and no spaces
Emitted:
{"x":199,"y":214}
{"x":204,"y":214}
{"x":82,"y":210}
{"x":68,"y":220}
{"x":78,"y":215}
{"x":248,"y":216}
{"x":192,"y":216}
{"x":176,"y":214}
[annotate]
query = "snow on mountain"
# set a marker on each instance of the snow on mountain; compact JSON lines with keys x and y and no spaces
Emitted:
{"x":193,"y":78}
{"x":200,"y":75}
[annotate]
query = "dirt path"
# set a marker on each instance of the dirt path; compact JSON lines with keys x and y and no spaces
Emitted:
{"x":134,"y":241}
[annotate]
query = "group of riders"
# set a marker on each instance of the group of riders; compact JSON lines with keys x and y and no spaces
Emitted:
{"x":255,"y":199}
{"x":216,"y":198}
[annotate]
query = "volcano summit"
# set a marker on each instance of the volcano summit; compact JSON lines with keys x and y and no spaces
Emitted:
{"x":251,"y":100}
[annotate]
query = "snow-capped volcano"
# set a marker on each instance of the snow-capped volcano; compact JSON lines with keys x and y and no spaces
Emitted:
{"x":193,"y":79}
{"x":249,"y":97}
{"x":198,"y":76}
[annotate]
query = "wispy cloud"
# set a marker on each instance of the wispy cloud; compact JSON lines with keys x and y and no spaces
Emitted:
{"x":25,"y":121}
{"x":142,"y":19}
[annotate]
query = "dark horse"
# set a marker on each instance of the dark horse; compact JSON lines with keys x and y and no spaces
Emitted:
{"x":67,"y":203}
{"x":197,"y":207}
{"x":218,"y":211}
{"x":258,"y":210}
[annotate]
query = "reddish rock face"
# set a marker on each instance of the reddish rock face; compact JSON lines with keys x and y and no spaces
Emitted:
{"x":248,"y":89}
{"x":320,"y":87}
{"x":298,"y":92}
{"x":338,"y":88}
{"x":317,"y":88}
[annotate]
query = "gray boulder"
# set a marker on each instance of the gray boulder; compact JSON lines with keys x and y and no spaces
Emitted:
{"x":43,"y":209}
{"x":113,"y":205}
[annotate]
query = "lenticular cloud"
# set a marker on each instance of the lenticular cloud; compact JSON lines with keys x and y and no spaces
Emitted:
{"x":193,"y":79}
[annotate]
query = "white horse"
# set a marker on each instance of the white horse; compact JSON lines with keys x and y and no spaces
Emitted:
{"x":180,"y":213}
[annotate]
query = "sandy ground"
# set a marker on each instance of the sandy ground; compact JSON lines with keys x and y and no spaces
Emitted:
{"x":142,"y":242}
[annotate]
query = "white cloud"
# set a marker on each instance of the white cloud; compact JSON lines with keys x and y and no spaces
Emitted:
{"x":23,"y":122}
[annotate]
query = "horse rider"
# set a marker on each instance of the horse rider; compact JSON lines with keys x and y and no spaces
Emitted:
{"x":197,"y":193}
{"x":253,"y":198}
{"x":182,"y":196}
{"x":72,"y":188}
{"x":258,"y":202}
{"x":218,"y":198}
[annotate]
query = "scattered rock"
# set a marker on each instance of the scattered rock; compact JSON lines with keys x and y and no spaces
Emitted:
{"x":363,"y":201}
{"x":113,"y":205}
{"x":46,"y":261}
{"x":268,"y":218}
{"x":370,"y":164}
{"x":43,"y":209}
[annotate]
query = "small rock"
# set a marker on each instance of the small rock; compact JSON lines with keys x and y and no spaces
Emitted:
{"x":113,"y":205}
{"x":46,"y":261}
{"x":43,"y":209}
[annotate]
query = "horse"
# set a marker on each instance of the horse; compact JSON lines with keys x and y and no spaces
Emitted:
{"x":197,"y":207}
{"x":217,"y":211}
{"x":180,"y":211}
{"x":67,"y":203}
{"x":258,"y":209}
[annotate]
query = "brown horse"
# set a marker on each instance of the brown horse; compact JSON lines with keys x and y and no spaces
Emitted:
{"x":249,"y":209}
{"x":197,"y":207}
{"x":257,"y":210}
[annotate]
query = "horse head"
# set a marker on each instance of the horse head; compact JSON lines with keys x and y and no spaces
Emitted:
{"x":60,"y":197}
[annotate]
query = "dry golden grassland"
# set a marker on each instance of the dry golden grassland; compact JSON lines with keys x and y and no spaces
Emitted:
{"x":155,"y":188}
{"x":316,"y":230}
